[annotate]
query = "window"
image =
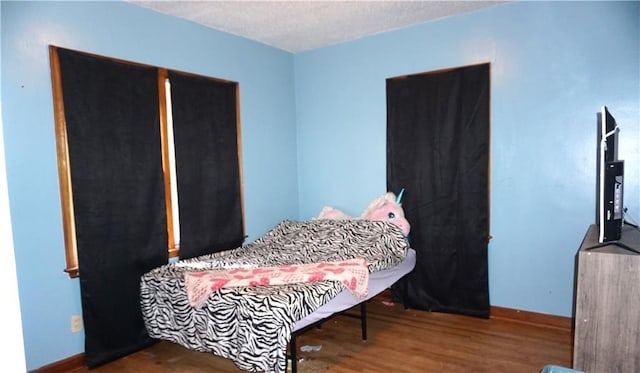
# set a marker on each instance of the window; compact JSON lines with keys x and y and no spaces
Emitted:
{"x":163,"y":145}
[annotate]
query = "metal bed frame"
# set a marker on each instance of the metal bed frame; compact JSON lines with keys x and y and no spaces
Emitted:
{"x":292,"y":354}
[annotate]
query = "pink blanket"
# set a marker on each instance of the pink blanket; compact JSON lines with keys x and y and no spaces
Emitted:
{"x":352,"y":273}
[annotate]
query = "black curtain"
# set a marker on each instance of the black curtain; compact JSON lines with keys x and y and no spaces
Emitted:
{"x":438,"y":150}
{"x":111,"y":112}
{"x":207,"y":167}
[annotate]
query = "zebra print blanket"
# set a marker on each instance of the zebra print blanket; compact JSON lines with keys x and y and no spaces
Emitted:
{"x":252,"y":325}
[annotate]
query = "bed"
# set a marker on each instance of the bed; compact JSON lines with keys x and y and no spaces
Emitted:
{"x":254,"y":325}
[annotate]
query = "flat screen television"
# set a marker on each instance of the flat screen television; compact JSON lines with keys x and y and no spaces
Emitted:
{"x":610,"y":177}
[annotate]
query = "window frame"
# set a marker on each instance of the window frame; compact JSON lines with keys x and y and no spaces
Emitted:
{"x":72,"y":267}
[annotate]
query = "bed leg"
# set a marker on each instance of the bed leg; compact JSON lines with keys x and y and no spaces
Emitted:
{"x":293,"y":354}
{"x":363,"y":319}
{"x":405,"y":299}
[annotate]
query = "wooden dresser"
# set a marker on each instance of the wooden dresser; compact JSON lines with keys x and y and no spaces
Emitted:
{"x":607,"y":304}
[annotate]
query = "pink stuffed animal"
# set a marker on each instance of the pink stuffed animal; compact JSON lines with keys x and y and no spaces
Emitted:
{"x":329,"y":212}
{"x":386,"y":207}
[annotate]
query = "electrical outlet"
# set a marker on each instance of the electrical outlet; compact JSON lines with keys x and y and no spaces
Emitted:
{"x":76,"y":323}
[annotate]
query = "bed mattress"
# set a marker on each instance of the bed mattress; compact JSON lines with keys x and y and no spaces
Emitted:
{"x":378,"y":282}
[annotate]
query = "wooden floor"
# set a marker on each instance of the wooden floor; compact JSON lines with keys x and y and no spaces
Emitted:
{"x":399,"y":340}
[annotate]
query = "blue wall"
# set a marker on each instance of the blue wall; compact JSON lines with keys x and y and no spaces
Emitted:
{"x":313,"y":130}
{"x":553,"y":65}
{"x":48,"y":297}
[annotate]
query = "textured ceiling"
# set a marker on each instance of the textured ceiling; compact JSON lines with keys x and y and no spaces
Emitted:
{"x":298,"y":26}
